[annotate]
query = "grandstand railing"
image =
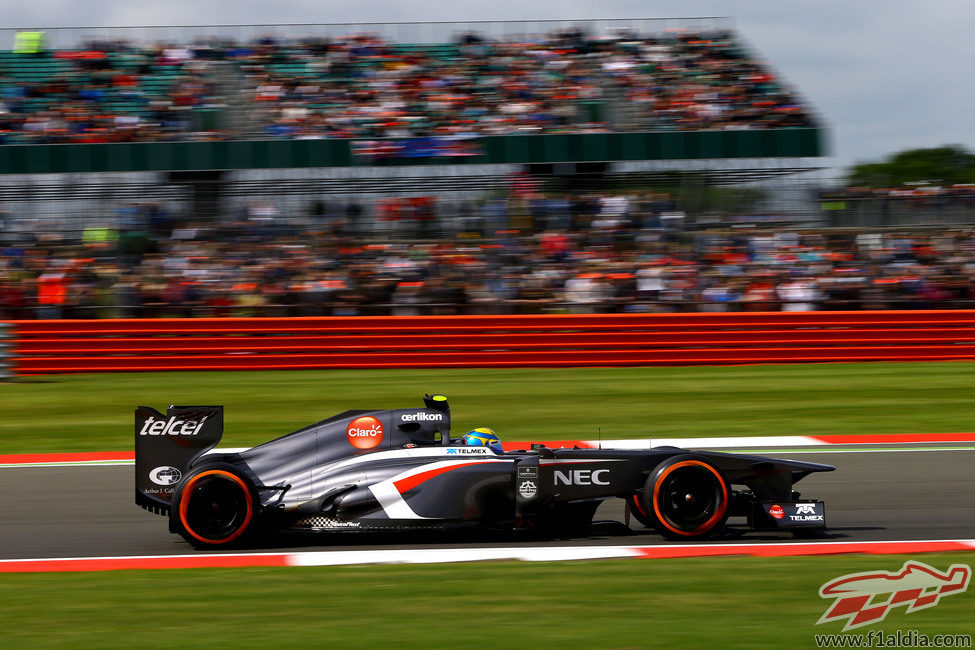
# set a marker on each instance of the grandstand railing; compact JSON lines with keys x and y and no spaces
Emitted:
{"x":784,"y":143}
{"x":75,"y":346}
{"x":320,"y":309}
{"x":5,"y":335}
{"x":400,"y":32}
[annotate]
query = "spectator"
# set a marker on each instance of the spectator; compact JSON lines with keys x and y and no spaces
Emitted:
{"x":292,"y":270}
{"x":361,"y":86}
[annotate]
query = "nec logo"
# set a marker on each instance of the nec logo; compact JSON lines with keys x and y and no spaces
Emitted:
{"x":172,"y":427}
{"x":581,"y":477}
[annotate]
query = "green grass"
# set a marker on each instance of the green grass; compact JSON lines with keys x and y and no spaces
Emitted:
{"x":690,"y":603}
{"x":687,"y":603}
{"x":94,"y":412}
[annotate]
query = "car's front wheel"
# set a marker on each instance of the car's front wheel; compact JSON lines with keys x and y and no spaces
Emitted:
{"x":685,"y":497}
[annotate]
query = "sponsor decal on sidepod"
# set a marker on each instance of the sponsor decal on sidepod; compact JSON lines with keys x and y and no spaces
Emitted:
{"x":527,"y":489}
{"x":422,"y":417}
{"x":581,"y":477}
{"x":365,"y":432}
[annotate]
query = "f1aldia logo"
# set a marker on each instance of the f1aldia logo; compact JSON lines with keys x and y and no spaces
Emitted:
{"x":865,"y":598}
{"x":365,"y":432}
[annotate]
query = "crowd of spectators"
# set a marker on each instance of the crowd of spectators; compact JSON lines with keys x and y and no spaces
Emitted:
{"x":589,"y":254}
{"x":924,"y":195}
{"x":109,"y":92}
{"x":362,"y":86}
{"x":922,"y":202}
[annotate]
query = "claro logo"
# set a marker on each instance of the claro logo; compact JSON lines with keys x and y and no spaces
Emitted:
{"x":365,"y":432}
{"x":172,"y":427}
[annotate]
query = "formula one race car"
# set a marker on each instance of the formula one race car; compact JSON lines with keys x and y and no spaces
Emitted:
{"x":399,"y":469}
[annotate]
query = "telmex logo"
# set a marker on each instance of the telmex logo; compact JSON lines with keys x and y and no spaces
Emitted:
{"x":172,"y":427}
{"x":365,"y":432}
{"x":165,"y":475}
{"x":421,"y":417}
{"x":916,"y":585}
{"x":581,"y":477}
{"x":806,"y":512}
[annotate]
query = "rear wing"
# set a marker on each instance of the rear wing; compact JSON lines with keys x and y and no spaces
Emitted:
{"x":165,"y":445}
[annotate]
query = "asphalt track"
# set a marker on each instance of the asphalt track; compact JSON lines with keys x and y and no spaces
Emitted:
{"x":89,"y":511}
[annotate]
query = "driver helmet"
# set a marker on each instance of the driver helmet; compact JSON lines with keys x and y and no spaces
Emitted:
{"x":482,"y":436}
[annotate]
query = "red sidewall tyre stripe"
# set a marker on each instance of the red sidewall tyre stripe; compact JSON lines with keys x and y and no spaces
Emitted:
{"x":184,"y":505}
{"x":636,"y":503}
{"x":718,"y":513}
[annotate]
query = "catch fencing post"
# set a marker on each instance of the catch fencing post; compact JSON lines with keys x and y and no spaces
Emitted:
{"x":5,"y":338}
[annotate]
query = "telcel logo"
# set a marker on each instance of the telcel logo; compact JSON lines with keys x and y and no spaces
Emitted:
{"x":172,"y":427}
{"x":365,"y":432}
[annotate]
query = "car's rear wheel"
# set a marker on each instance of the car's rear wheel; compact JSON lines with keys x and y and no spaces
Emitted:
{"x":213,"y":507}
{"x":685,"y":497}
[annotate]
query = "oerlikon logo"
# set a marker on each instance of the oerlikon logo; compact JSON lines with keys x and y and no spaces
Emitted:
{"x":365,"y":432}
{"x":865,"y":598}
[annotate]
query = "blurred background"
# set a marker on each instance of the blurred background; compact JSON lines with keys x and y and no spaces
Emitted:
{"x":585,"y":166}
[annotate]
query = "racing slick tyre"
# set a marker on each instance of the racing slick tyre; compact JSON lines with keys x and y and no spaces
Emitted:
{"x":214,"y":506}
{"x":634,"y":503}
{"x":685,"y":497}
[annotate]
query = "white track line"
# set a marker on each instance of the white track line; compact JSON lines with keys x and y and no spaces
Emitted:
{"x":454,"y":555}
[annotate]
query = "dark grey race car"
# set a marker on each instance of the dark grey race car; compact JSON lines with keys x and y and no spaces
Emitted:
{"x":399,"y":469}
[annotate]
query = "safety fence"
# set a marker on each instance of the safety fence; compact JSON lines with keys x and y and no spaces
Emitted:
{"x":75,"y":346}
{"x":4,"y":351}
{"x":64,"y":158}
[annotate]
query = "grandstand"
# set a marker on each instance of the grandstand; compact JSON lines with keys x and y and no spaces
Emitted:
{"x":362,"y":86}
{"x":196,"y":116}
{"x":541,"y":167}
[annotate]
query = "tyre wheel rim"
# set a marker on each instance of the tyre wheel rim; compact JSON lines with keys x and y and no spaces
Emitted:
{"x":216,"y":508}
{"x":689,"y":497}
